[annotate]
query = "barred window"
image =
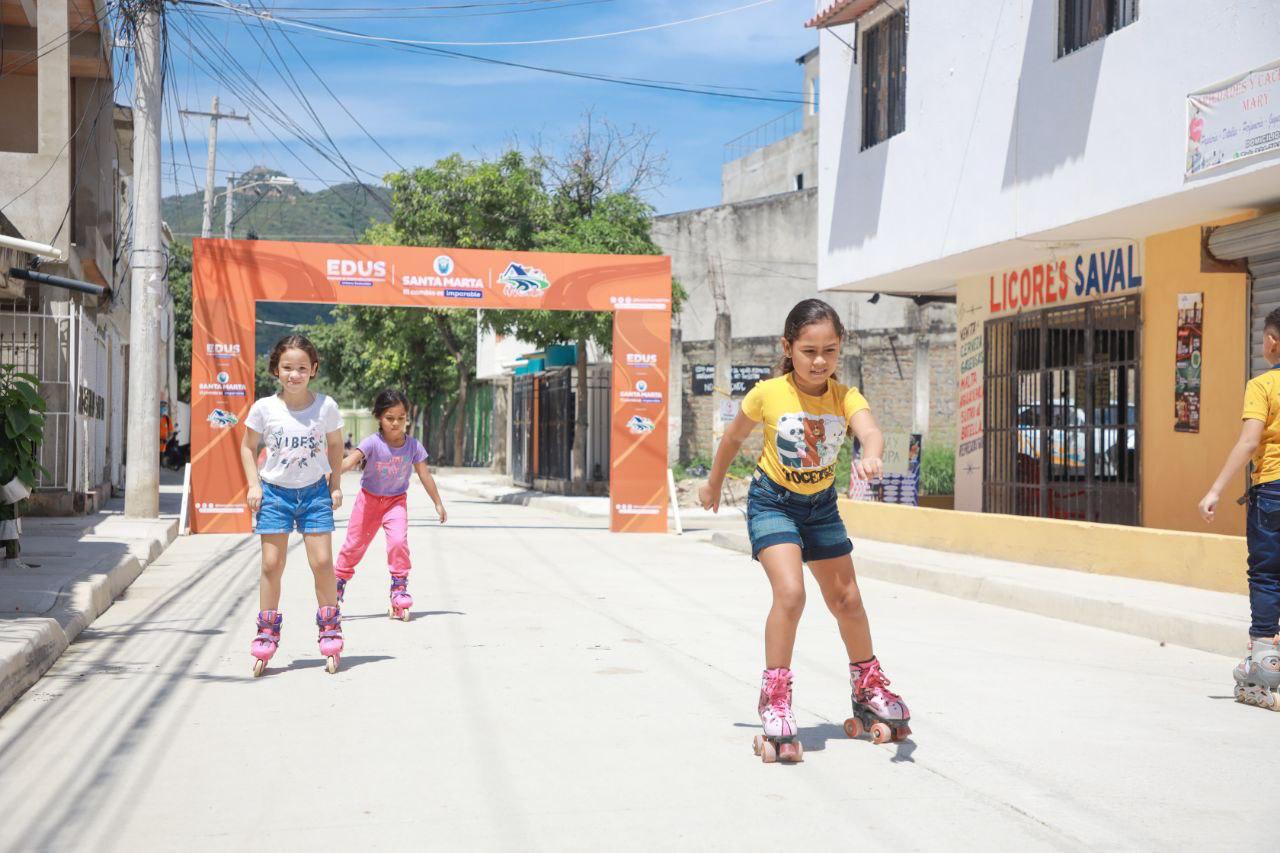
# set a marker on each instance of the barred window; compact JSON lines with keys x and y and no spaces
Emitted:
{"x":1083,"y":22}
{"x":884,"y":80}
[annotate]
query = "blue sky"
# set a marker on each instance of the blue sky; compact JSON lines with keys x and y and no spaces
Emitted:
{"x":421,"y":107}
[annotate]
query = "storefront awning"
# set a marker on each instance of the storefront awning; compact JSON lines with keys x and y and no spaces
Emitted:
{"x":842,"y":12}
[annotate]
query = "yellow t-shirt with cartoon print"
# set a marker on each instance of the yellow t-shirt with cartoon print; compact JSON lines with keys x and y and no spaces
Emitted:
{"x":1262,"y":403}
{"x":802,"y":433}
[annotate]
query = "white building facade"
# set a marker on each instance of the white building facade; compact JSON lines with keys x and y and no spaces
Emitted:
{"x":1040,"y":161}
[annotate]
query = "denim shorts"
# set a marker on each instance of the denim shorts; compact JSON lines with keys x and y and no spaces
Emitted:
{"x":307,"y":510}
{"x":776,"y":515}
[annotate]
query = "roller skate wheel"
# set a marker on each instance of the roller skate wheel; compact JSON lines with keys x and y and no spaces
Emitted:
{"x":853,"y":727}
{"x":766,"y":749}
{"x":881,"y":733}
{"x":901,"y":733}
{"x":259,"y":667}
{"x":791,"y":751}
{"x":331,"y":664}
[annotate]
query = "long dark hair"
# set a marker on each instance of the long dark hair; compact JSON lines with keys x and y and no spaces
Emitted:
{"x":387,"y":400}
{"x":805,"y":313}
{"x":292,"y":342}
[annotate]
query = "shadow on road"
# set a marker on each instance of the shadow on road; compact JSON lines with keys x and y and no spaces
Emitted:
{"x":814,"y":739}
{"x":414,"y":615}
{"x":348,"y":662}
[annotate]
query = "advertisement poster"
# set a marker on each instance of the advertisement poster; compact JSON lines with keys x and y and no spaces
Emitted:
{"x":742,"y":376}
{"x":901,"y":482}
{"x":1235,"y":119}
{"x":1186,"y":390}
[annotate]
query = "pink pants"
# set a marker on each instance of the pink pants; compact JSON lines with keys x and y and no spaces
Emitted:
{"x":369,"y":513}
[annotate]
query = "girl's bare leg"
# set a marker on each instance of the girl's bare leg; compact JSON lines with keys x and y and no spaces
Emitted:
{"x":275,"y":547}
{"x":785,"y":570}
{"x":839,"y":584}
{"x":320,"y":556}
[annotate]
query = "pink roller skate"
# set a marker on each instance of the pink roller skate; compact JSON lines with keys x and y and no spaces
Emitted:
{"x":401,"y":600}
{"x":267,"y":641}
{"x":329,"y":621}
{"x":778,"y":743}
{"x":876,"y":709}
{"x":342,"y":589}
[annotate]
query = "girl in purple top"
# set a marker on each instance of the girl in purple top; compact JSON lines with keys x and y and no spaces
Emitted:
{"x":390,"y":456}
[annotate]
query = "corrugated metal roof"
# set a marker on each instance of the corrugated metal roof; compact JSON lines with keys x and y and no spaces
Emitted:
{"x":842,"y":12}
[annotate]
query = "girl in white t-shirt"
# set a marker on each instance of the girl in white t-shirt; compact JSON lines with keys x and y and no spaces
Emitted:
{"x":298,"y":488}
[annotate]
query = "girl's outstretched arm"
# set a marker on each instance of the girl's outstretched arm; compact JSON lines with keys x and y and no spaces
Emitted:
{"x":734,"y":435}
{"x":429,"y":483}
{"x":354,"y":458}
{"x":867,"y":431}
{"x":334,"y":440}
{"x":248,"y":458}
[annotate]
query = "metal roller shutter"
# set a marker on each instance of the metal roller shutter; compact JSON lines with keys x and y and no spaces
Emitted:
{"x":1258,"y":242}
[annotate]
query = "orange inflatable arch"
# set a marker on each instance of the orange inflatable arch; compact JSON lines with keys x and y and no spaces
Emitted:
{"x":230,"y":276}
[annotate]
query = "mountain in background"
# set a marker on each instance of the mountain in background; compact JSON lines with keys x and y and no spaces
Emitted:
{"x":338,"y":214}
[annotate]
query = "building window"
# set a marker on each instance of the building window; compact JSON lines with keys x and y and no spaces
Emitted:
{"x":1061,"y":402}
{"x":800,"y":181}
{"x":1082,"y":22}
{"x":884,"y":80}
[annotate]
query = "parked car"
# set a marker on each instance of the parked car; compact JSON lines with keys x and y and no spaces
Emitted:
{"x":1114,"y":457}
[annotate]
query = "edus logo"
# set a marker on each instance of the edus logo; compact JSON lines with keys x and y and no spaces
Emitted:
{"x":444,"y":265}
{"x":356,"y":273}
{"x":222,"y":352}
{"x":642,"y":359}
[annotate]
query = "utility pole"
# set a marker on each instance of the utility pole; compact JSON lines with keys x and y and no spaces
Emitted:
{"x":206,"y":224}
{"x":231,"y":196}
{"x":722,"y":385}
{"x":147,"y":283}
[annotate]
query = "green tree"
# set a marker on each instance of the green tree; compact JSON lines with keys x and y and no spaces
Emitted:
{"x":180,"y":290}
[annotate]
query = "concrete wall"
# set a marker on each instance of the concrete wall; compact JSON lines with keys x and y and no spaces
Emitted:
{"x":1179,"y":467}
{"x":1005,"y":141}
{"x":766,"y":249}
{"x":772,"y":169}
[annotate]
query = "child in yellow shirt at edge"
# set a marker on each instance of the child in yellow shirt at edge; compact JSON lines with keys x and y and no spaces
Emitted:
{"x":1257,"y":677}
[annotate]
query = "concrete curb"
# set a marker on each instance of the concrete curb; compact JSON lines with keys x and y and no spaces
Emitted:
{"x":34,"y":643}
{"x":1192,"y":630}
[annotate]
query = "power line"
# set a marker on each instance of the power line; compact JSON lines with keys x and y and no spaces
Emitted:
{"x":243,"y":10}
{"x":385,"y":13}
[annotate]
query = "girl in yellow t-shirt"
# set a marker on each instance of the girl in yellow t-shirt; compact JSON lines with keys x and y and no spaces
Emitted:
{"x":793,"y":519}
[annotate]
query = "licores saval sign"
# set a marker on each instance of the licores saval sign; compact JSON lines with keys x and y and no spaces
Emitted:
{"x":1235,"y":119}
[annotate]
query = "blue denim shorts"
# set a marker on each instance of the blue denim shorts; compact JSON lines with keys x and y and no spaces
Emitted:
{"x":1263,"y":537}
{"x":307,"y":510}
{"x":776,"y":515}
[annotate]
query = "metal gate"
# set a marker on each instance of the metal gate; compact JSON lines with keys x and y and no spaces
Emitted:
{"x":1062,"y":401}
{"x":522,"y":399}
{"x":556,"y":407}
{"x":71,"y":358}
{"x":1256,"y":241}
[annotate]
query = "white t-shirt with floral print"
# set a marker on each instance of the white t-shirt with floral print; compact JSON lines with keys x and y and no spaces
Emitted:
{"x":297,"y":447}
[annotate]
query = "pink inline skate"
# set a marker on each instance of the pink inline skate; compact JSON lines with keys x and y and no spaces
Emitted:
{"x":329,"y":621}
{"x":779,"y":742}
{"x":401,"y":600}
{"x":342,"y":589}
{"x":876,"y":709}
{"x":267,"y":641}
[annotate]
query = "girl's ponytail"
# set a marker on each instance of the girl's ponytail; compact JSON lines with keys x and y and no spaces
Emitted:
{"x":805,"y":313}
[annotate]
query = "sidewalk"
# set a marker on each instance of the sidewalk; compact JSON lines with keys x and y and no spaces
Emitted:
{"x":1184,"y":616}
{"x":77,"y":567}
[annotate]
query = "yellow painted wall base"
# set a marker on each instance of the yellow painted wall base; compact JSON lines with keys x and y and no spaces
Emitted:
{"x":1203,"y":560}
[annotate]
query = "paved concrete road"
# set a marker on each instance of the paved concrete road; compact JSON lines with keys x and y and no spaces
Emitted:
{"x":560,"y":688}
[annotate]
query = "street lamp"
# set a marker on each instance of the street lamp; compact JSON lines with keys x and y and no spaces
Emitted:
{"x":273,"y":181}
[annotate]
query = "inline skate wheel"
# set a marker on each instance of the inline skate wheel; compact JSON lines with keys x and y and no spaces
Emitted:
{"x":331,"y":664}
{"x":881,"y":733}
{"x":259,"y":667}
{"x":404,"y":616}
{"x":853,"y":727}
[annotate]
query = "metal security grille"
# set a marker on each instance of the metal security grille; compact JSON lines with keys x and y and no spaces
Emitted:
{"x":1062,"y":399}
{"x":884,"y":80}
{"x":522,"y":396}
{"x":1263,"y":299}
{"x":1082,"y":22}
{"x":555,"y":425}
